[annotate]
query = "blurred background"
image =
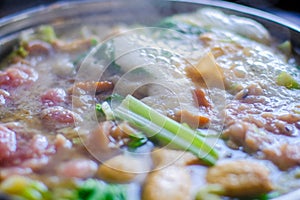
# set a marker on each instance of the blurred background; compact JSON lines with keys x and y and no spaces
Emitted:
{"x":287,"y":9}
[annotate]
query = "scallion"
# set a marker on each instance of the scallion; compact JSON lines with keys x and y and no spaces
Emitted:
{"x":164,"y":129}
{"x":287,"y":80}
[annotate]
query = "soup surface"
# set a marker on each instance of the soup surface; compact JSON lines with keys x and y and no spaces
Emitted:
{"x":202,"y":105}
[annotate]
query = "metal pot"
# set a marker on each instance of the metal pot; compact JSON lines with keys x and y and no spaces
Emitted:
{"x":64,"y":15}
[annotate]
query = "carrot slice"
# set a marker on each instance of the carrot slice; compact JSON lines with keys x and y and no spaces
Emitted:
{"x":194,"y":121}
{"x":200,"y":98}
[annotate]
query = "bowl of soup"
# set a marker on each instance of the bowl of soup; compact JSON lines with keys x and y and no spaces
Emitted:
{"x":149,"y":100}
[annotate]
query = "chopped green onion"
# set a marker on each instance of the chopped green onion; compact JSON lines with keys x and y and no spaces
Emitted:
{"x":107,"y":111}
{"x":22,"y":51}
{"x":99,"y":108}
{"x":116,"y":98}
{"x":31,"y":194}
{"x":285,"y":79}
{"x":24,"y":187}
{"x":210,"y":191}
{"x":94,"y":42}
{"x":164,"y":129}
{"x":19,"y":52}
{"x":46,"y":33}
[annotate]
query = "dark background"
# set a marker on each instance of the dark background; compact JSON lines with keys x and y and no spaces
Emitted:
{"x":288,"y":9}
{"x":285,"y":8}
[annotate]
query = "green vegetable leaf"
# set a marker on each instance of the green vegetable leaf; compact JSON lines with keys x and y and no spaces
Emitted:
{"x":80,"y":58}
{"x":181,"y":26}
{"x":106,"y":54}
{"x":98,"y":108}
{"x":97,"y":190}
{"x":136,"y":140}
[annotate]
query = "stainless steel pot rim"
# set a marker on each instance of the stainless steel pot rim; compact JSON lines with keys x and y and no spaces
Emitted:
{"x":246,"y":10}
{"x":220,"y":4}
